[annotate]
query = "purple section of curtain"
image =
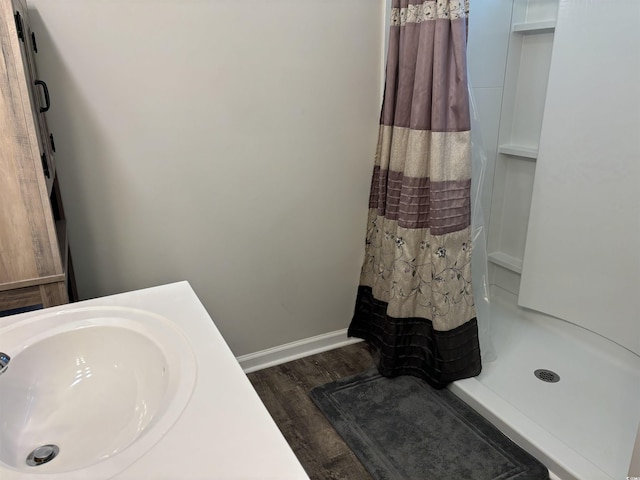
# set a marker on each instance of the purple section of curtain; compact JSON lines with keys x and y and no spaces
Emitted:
{"x":426,"y":86}
{"x":444,"y":207}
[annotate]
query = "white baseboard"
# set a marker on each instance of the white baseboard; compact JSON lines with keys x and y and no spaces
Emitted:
{"x":294,"y":350}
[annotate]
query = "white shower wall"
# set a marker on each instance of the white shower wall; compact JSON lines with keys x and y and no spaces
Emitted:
{"x":228,"y":144}
{"x":582,"y":261}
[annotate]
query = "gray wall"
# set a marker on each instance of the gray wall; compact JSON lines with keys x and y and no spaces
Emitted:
{"x":229,"y":144}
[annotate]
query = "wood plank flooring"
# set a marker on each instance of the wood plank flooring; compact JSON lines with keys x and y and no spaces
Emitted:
{"x":284,"y":389}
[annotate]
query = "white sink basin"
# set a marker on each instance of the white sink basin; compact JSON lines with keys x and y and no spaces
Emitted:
{"x":103,"y":384}
{"x":116,"y":384}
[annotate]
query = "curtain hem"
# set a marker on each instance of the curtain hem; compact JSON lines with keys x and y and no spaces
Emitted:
{"x":411,"y":346}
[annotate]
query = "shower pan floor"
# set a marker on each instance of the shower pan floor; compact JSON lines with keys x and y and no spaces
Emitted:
{"x":582,"y":426}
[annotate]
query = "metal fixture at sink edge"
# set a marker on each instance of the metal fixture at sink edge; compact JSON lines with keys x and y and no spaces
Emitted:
{"x":4,"y":362}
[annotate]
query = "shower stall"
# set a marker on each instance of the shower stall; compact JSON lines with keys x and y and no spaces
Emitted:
{"x":555,"y":86}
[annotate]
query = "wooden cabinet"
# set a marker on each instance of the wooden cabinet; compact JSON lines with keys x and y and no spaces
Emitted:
{"x":35,"y":264}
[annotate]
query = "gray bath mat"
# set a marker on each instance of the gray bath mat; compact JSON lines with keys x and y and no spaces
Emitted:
{"x":402,"y":429}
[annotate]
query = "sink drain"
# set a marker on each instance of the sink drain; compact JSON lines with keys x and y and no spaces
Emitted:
{"x":547,"y":375}
{"x":42,"y":455}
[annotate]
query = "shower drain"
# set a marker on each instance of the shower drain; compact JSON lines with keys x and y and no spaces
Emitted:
{"x":547,"y":375}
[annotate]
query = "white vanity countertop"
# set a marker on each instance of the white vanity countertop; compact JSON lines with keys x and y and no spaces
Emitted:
{"x":225,"y":432}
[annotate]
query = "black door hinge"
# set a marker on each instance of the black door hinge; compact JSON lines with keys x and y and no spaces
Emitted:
{"x":45,"y":165}
{"x":33,"y":42}
{"x":19,"y":27}
{"x":53,"y":143}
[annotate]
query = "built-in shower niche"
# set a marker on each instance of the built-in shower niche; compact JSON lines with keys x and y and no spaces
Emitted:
{"x":523,"y":99}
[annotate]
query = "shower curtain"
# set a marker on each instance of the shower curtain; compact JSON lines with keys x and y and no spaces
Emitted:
{"x":415,"y":303}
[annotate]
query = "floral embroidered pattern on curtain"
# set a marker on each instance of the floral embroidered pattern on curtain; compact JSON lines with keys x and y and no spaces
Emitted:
{"x":415,"y":300}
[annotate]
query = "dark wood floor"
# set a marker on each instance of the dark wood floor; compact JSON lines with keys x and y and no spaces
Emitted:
{"x":284,"y":389}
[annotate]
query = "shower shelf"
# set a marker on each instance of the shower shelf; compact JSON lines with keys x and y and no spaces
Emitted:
{"x":519,"y":151}
{"x":527,"y":28}
{"x":528,"y":59}
{"x":506,"y":261}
